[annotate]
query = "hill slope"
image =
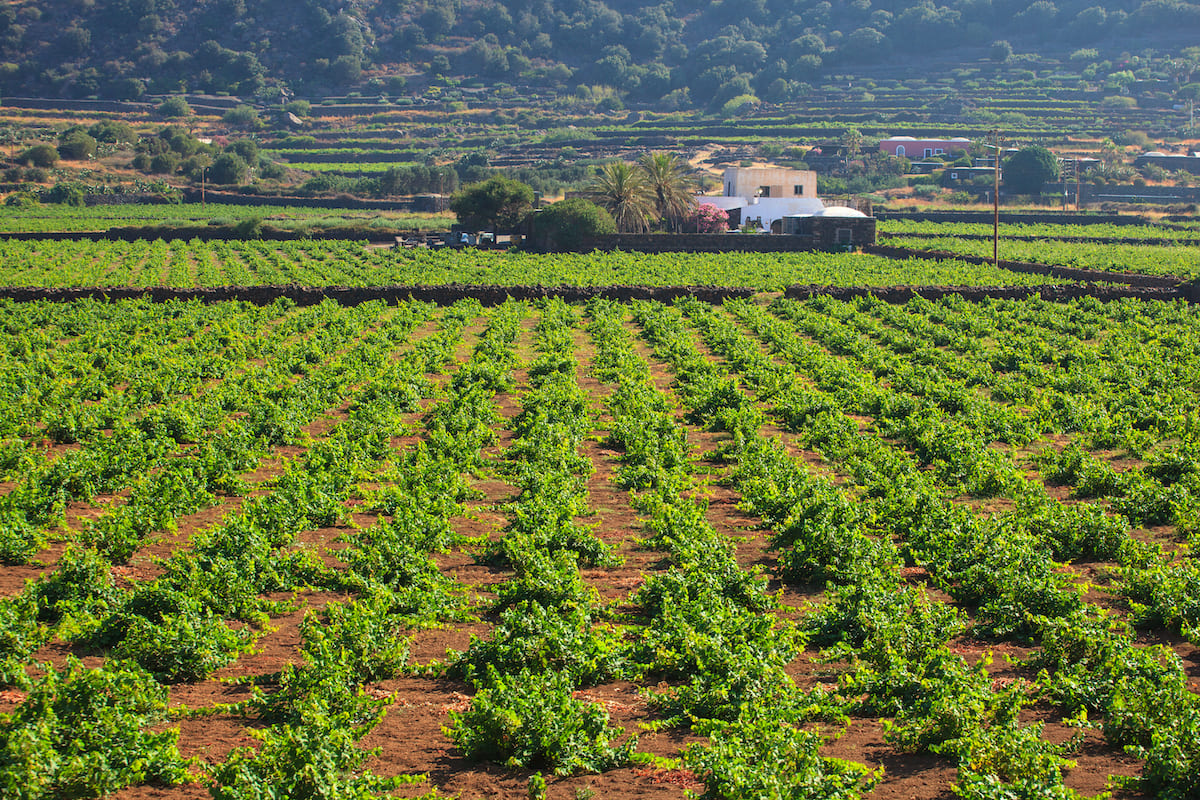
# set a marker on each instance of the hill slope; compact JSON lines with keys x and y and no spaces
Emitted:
{"x":681,"y":54}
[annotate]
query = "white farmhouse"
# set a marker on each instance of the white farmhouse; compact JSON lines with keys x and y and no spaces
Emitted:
{"x":765,"y":195}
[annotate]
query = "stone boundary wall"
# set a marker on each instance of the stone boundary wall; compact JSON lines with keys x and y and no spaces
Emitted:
{"x":422,"y":202}
{"x":987,"y":237}
{"x":494,"y":295}
{"x":201,"y":232}
{"x":698,"y":243}
{"x":1066,"y":273}
{"x":1014,"y":217}
{"x":902,"y":294}
{"x":355,"y":295}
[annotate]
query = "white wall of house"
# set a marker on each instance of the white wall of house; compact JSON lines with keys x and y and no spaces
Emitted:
{"x":766,"y":210}
{"x":772,"y":182}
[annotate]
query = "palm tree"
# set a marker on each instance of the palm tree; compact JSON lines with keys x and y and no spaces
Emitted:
{"x":671,"y":189}
{"x":622,"y":190}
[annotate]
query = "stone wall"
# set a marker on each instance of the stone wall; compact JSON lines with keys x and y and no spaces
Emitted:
{"x":424,"y":203}
{"x":1066,"y":273}
{"x":1014,"y":217}
{"x":902,"y":294}
{"x":355,"y":295}
{"x":823,"y":232}
{"x":697,"y":243}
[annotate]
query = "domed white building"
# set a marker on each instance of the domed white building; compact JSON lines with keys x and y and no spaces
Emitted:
{"x":833,"y":228}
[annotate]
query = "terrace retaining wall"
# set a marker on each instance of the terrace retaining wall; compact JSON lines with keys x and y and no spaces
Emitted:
{"x":1014,"y":217}
{"x":697,"y":243}
{"x":987,"y":237}
{"x":494,"y":295}
{"x":902,"y":294}
{"x":1066,"y":273}
{"x":356,"y":295}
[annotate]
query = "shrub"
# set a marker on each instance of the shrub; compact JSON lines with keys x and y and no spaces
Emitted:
{"x":317,"y":759}
{"x":80,"y":733}
{"x":76,"y":145}
{"x":244,"y":117}
{"x":707,"y":218}
{"x":568,"y":224}
{"x":532,"y":720}
{"x":164,"y":164}
{"x":761,"y":755}
{"x":228,"y":168}
{"x":40,"y":155}
{"x":174,"y":107}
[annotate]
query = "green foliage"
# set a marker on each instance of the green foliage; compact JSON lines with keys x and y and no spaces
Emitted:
{"x":1009,"y":761}
{"x":532,"y":637}
{"x":76,"y":145}
{"x":316,"y":759}
{"x":228,"y":168}
{"x":82,"y":733}
{"x":174,"y":108}
{"x":764,"y":754}
{"x":496,"y":204}
{"x":530,"y":719}
{"x":566,"y":225}
{"x":40,"y":155}
{"x":21,"y":634}
{"x":360,"y":633}
{"x":243,"y":117}
{"x":1027,"y":169}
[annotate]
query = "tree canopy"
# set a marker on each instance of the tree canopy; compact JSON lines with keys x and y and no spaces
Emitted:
{"x":496,"y":204}
{"x":1027,"y":169}
{"x":683,"y":53}
{"x":671,"y":189}
{"x":567,"y":225}
{"x":622,"y":191}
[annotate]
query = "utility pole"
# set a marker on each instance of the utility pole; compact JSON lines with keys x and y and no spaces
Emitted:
{"x":995,"y":145}
{"x":1078,"y":179}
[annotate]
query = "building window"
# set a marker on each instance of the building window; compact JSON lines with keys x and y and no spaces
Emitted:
{"x":939,"y":152}
{"x":954,"y":176}
{"x":764,"y":191}
{"x":928,"y":152}
{"x":798,"y":189}
{"x":899,"y":149}
{"x":845,"y":236}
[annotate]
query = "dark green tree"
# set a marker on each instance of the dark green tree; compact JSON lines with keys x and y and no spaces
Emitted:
{"x":174,"y":107}
{"x":622,"y":190}
{"x":497,"y":204}
{"x":76,"y":145}
{"x":40,"y":155}
{"x":671,"y":188}
{"x":569,"y":224}
{"x":228,"y":168}
{"x":1028,"y":169}
{"x":246,"y":148}
{"x":113,"y":132}
{"x":244,"y":117}
{"x":165,"y":163}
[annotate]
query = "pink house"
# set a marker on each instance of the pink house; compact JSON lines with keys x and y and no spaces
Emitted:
{"x":909,"y":147}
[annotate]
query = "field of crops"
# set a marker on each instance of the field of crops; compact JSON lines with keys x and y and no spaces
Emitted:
{"x":1092,"y":230}
{"x":50,"y":217}
{"x":343,"y":263}
{"x":817,"y":549}
{"x":1181,"y":259}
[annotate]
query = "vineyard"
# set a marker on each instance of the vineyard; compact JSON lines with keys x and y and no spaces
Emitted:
{"x":795,"y":549}
{"x":48,"y":217}
{"x":343,"y":263}
{"x":1181,"y":259}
